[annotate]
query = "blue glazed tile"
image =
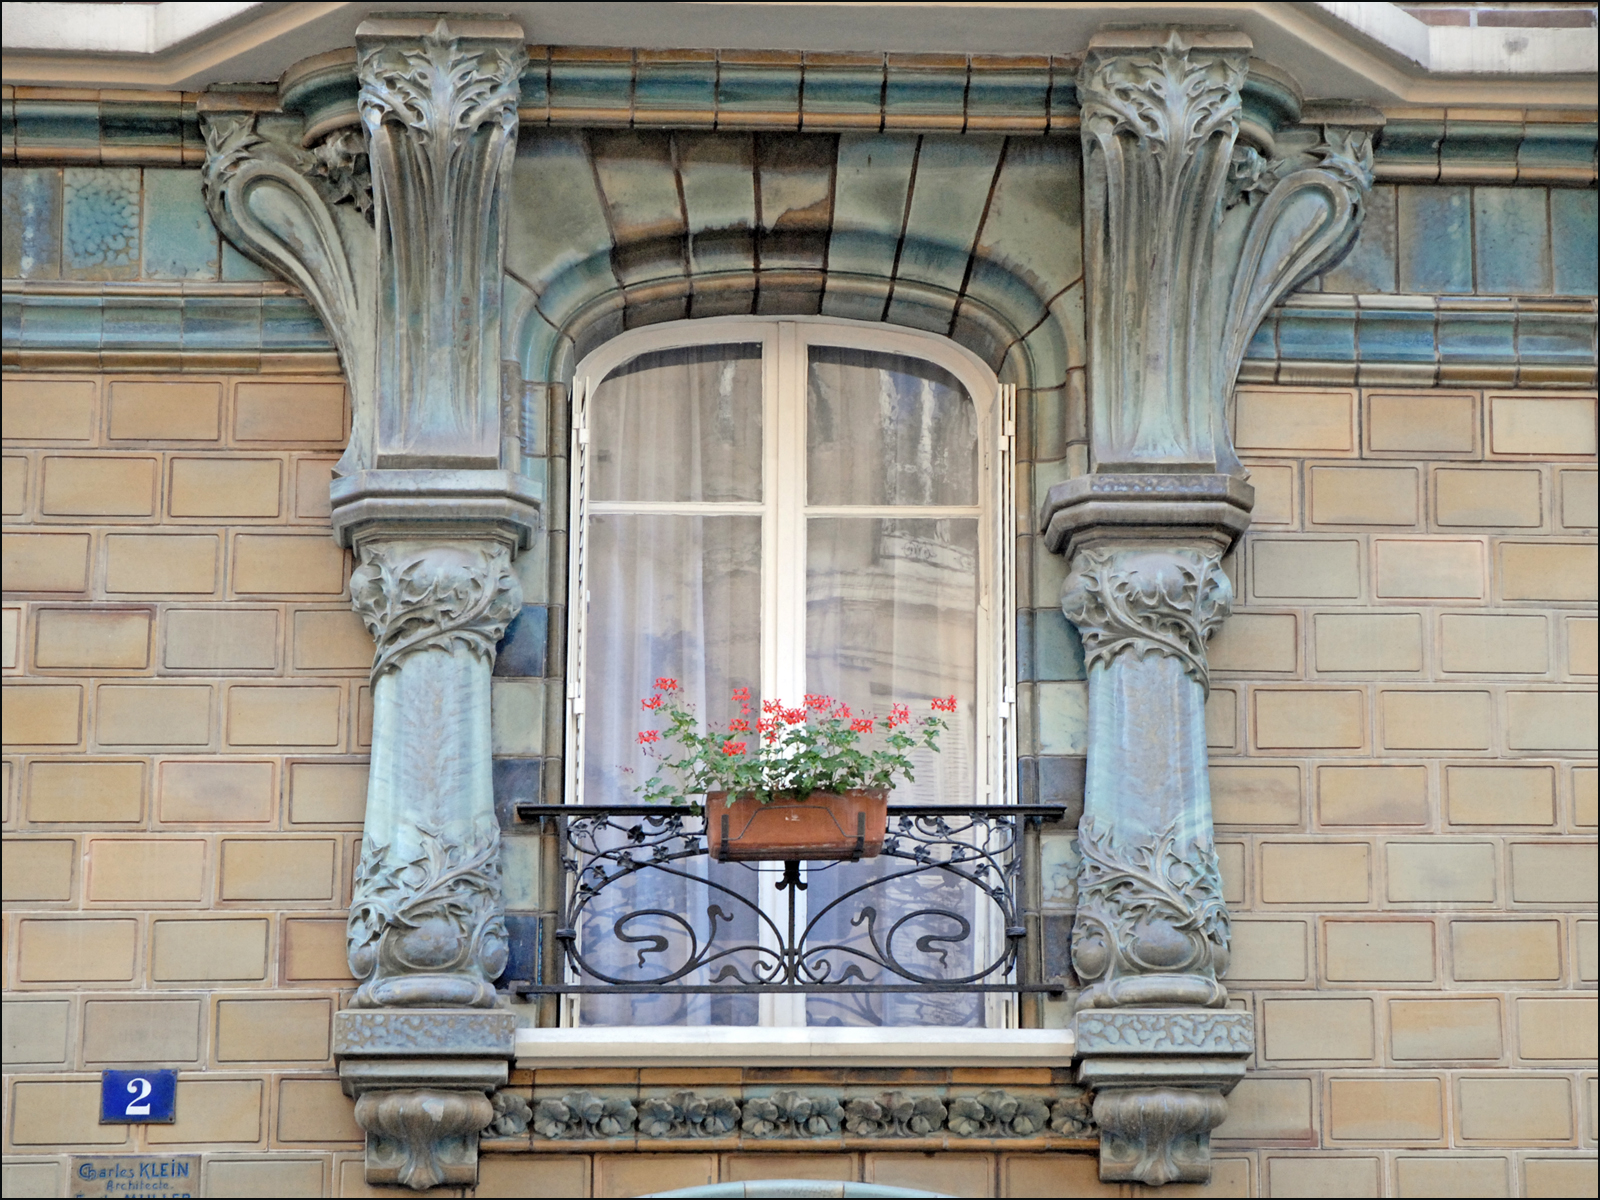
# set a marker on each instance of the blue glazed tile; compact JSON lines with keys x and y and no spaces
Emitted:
{"x":1009,"y":92}
{"x":1056,"y":937}
{"x":1264,"y":342}
{"x":1024,"y":645}
{"x":1479,"y":337}
{"x":925,"y":91}
{"x":675,"y":86}
{"x":1410,"y":149}
{"x":68,"y":129}
{"x":8,"y":128}
{"x":718,"y":176}
{"x":143,"y":322}
{"x":558,"y":221}
{"x":101,"y":223}
{"x":640,"y":188}
{"x":555,"y":665}
{"x":516,"y":781}
{"x":11,"y":319}
{"x":1561,"y":150}
{"x":1030,"y":247}
{"x":522,"y":961}
{"x":150,"y":128}
{"x":31,"y":221}
{"x":180,"y":241}
{"x":1369,"y":266}
{"x":760,"y":85}
{"x":843,"y":90}
{"x":534,"y":83}
{"x":1062,"y":102}
{"x":796,"y":199}
{"x":1057,"y":649}
{"x":1057,"y":345}
{"x":1317,"y":334}
{"x":1572,"y":236}
{"x":1027,"y":780}
{"x":1434,"y":239}
{"x":954,"y":177}
{"x":61,"y":322}
{"x":1479,"y":148}
{"x":1512,"y":238}
{"x":290,"y":323}
{"x":1556,"y":339}
{"x":221,"y":323}
{"x":522,"y":650}
{"x":236,"y":268}
{"x":872,"y":178}
{"x":1061,"y":782}
{"x":1396,"y":335}
{"x":594,"y":82}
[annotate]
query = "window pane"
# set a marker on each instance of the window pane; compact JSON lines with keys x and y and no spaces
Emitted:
{"x":678,"y":425}
{"x":886,"y":429}
{"x":678,"y":596}
{"x":891,"y":618}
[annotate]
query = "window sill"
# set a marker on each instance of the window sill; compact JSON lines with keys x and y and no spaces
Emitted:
{"x":788,"y":1046}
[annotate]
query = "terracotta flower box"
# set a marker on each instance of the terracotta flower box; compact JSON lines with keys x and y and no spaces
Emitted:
{"x":823,"y":826}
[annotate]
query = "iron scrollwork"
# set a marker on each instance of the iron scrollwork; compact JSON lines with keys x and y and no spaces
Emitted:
{"x":939,"y":910}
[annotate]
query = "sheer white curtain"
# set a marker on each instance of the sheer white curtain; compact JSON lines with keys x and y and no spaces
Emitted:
{"x":673,"y":593}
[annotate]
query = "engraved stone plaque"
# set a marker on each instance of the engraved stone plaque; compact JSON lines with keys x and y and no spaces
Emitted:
{"x":136,"y":1175}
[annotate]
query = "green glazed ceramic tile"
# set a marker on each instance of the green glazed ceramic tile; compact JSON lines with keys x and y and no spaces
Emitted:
{"x":718,"y":175}
{"x":796,"y":198}
{"x":534,"y":82}
{"x":844,"y":88}
{"x":1395,"y":335}
{"x":101,"y":225}
{"x":30,"y":216}
{"x":1024,"y":645}
{"x":872,"y":179}
{"x":954,"y":176}
{"x":1435,"y":239}
{"x":639,"y":185}
{"x":764,"y":88}
{"x":603,"y":87}
{"x":1030,"y":247}
{"x":222,"y":322}
{"x":1572,"y":237}
{"x":1316,"y":334}
{"x":1057,"y":345}
{"x":1512,"y":240}
{"x":666,"y":86}
{"x":69,"y":128}
{"x":1011,"y":94}
{"x":61,"y":322}
{"x":557,"y":218}
{"x":1554,"y":339}
{"x":1264,"y":343}
{"x":143,"y":323}
{"x":8,"y":128}
{"x":142,"y":126}
{"x":290,"y":323}
{"x":237,"y":268}
{"x":1411,"y":148}
{"x":1479,"y":337}
{"x":922,"y":92}
{"x":1568,"y":149}
{"x":1058,"y":651}
{"x":1470,"y":145}
{"x":11,"y":320}
{"x":1370,"y":265}
{"x":180,"y":241}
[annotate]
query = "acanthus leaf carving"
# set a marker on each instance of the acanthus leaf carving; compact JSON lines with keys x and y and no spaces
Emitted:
{"x":1151,"y":924}
{"x":440,"y":597}
{"x":1163,"y":600}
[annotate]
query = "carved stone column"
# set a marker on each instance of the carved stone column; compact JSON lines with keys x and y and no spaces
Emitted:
{"x":1190,"y":237}
{"x":396,"y":231}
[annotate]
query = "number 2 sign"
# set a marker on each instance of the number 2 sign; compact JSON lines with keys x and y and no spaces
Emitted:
{"x":138,"y":1097}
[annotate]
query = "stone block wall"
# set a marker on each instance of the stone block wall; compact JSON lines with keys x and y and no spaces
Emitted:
{"x":186,"y":717}
{"x":1403,"y":731}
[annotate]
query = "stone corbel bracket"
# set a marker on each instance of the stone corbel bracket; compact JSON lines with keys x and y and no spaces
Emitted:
{"x":1203,"y":206}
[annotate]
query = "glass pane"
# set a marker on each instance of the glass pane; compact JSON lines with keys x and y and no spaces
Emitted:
{"x":678,"y":425}
{"x":678,"y":596}
{"x":887,"y":429}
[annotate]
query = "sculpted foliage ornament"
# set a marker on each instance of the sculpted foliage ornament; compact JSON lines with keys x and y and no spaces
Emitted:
{"x":441,"y":597}
{"x":1148,"y":601}
{"x":1151,"y":924}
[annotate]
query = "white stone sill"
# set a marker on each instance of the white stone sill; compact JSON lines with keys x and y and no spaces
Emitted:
{"x":779,"y":1046}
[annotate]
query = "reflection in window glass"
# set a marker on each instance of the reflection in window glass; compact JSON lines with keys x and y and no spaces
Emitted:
{"x":887,"y":429}
{"x":680,"y":424}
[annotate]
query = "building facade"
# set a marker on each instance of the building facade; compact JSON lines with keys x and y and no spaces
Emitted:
{"x":1198,"y":399}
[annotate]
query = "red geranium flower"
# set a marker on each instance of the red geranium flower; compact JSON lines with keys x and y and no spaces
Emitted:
{"x":652,"y":704}
{"x":861,"y":725}
{"x":733,"y":748}
{"x":663,"y":684}
{"x":739,"y":726}
{"x":646,"y":736}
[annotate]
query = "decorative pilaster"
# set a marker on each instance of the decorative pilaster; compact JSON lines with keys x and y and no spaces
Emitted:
{"x":1190,"y":237}
{"x":395,"y":228}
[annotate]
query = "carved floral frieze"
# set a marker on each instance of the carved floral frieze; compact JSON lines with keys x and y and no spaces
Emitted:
{"x":789,"y":1114}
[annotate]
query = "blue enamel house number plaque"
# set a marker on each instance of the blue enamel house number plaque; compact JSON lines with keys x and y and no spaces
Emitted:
{"x":138,"y":1097}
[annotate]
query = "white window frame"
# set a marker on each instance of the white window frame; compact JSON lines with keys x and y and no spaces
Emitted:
{"x":783,"y":507}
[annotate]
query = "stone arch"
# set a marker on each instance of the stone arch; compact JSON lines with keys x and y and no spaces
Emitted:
{"x":973,"y":237}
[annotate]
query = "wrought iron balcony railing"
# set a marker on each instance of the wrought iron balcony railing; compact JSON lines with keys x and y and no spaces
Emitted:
{"x":637,"y":905}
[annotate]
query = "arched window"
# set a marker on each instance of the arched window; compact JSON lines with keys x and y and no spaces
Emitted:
{"x":788,"y":506}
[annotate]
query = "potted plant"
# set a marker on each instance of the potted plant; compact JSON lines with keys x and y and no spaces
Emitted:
{"x":799,"y":785}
